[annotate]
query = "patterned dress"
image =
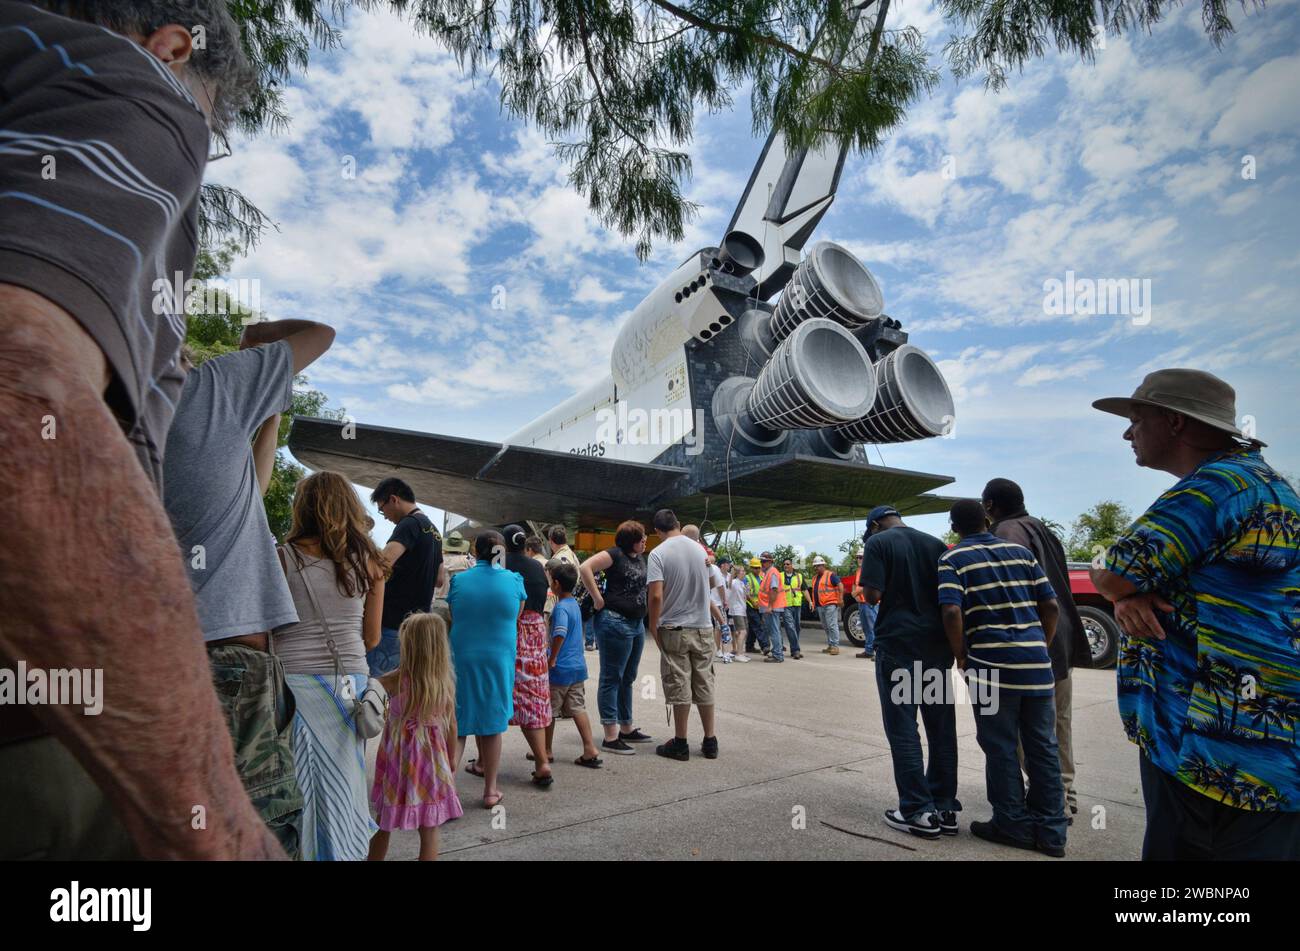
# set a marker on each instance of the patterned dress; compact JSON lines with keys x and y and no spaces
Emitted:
{"x":532,"y":694}
{"x":414,"y":787}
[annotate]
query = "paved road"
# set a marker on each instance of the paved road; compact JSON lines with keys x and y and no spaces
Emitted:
{"x":804,"y":773}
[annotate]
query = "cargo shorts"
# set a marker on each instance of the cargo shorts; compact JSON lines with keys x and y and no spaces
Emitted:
{"x":259,"y":710}
{"x":686,"y":665}
{"x":568,"y":701}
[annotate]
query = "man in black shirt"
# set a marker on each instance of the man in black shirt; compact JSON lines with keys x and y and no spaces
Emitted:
{"x":900,"y":572}
{"x":414,"y":551}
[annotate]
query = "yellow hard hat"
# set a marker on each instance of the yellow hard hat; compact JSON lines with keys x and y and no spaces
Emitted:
{"x":755,"y":563}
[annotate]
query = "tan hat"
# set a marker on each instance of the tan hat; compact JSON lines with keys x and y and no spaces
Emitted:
{"x":455,"y":544}
{"x":1194,"y":393}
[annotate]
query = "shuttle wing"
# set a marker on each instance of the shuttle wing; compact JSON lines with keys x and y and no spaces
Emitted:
{"x":494,"y":484}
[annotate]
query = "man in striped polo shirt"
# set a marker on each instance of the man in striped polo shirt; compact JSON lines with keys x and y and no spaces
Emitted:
{"x":1000,"y":613}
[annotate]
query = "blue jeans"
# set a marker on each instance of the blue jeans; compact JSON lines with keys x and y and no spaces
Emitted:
{"x":386,"y":655}
{"x":589,"y":631}
{"x":830,"y":615}
{"x":790,"y":619}
{"x":1040,"y":816}
{"x":868,"y":612}
{"x":920,"y":789}
{"x":620,"y":641}
{"x":772,"y":625}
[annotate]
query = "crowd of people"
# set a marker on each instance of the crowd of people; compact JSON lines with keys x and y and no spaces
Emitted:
{"x":246,"y":677}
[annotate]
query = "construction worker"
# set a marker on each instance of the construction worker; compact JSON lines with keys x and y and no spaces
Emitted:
{"x":771,"y":605}
{"x":827,"y":595}
{"x":756,"y":635}
{"x":792,"y":617}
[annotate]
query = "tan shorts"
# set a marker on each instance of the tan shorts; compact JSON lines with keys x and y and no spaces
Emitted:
{"x":738,"y":622}
{"x":686,"y":665}
{"x":568,"y":701}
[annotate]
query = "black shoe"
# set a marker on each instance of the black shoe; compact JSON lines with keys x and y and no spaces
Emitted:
{"x":797,"y":655}
{"x":1074,"y":809}
{"x":866,"y":655}
{"x":948,"y":823}
{"x":617,"y":747}
{"x":991,"y":833}
{"x":1055,"y":851}
{"x":710,"y":747}
{"x":636,"y":736}
{"x":676,"y":748}
{"x":926,"y":825}
{"x":773,"y":660}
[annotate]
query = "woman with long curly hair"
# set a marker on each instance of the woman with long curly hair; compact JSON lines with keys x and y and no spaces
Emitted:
{"x":336,"y":576}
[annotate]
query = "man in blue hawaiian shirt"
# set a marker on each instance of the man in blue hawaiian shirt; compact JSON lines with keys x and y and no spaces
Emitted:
{"x":1206,"y":584}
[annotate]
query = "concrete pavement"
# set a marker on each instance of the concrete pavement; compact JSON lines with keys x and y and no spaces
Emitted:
{"x":804,"y":773}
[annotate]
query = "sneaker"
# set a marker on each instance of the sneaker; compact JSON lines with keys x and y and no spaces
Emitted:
{"x":926,"y":825}
{"x":834,"y":651}
{"x":1055,"y":851}
{"x":797,"y":655}
{"x":676,"y":748}
{"x":726,"y":658}
{"x":709,"y":747}
{"x":719,"y":655}
{"x":591,"y":647}
{"x":948,"y":823}
{"x":991,"y":833}
{"x":742,"y":659}
{"x":617,"y":747}
{"x":774,"y":660}
{"x":635,"y":736}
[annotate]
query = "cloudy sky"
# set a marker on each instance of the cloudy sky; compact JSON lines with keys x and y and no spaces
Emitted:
{"x":404,"y":200}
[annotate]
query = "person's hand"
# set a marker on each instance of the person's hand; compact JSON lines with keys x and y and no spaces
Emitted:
{"x":961,"y":663}
{"x":253,"y":335}
{"x":1136,"y":614}
{"x":597,"y":601}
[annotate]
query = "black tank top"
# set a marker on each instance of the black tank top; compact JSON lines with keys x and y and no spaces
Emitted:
{"x":625,"y":584}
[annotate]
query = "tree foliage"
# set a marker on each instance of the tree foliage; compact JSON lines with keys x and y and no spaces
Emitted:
{"x":615,"y":84}
{"x":1096,"y":530}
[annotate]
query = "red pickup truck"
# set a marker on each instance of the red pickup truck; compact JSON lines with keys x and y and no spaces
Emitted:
{"x":1098,"y":617}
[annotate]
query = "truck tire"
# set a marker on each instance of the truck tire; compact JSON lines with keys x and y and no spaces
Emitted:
{"x":1103,"y":635}
{"x":852,"y":624}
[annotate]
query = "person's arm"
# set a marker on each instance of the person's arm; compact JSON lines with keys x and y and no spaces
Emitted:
{"x":373,"y":611}
{"x":951,"y":595}
{"x":953,"y":629}
{"x":306,"y":338}
{"x":159,"y":749}
{"x":871,"y":576}
{"x":556,"y":643}
{"x":601,"y":561}
{"x":442,"y":575}
{"x":1049,"y":612}
{"x":655,"y":602}
{"x":264,"y":446}
{"x":392,"y":551}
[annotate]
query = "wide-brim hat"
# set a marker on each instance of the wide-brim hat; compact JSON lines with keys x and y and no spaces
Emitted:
{"x":455,"y":544}
{"x":1196,"y":394}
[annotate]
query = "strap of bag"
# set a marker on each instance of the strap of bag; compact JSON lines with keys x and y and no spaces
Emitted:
{"x":324,"y":623}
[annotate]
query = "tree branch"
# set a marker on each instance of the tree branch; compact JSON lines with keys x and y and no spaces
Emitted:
{"x":762,"y":38}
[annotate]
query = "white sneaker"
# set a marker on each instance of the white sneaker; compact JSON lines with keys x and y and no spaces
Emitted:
{"x":719,"y":655}
{"x":726,"y":658}
{"x":742,"y":659}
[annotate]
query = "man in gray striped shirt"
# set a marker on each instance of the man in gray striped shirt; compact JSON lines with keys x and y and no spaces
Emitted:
{"x":104,"y":129}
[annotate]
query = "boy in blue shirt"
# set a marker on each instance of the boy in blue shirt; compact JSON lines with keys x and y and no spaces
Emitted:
{"x":568,"y":663}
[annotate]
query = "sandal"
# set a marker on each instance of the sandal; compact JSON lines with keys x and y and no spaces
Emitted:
{"x":594,"y":763}
{"x":496,"y":800}
{"x":472,"y":768}
{"x":550,"y":757}
{"x":542,"y":782}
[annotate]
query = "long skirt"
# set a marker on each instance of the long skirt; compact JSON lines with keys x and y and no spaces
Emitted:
{"x":330,"y":762}
{"x":532,"y":675}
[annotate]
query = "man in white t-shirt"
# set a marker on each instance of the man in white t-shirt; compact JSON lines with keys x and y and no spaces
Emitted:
{"x":680,"y":610}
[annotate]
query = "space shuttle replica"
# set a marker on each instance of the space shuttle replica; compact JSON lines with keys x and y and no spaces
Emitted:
{"x":725,"y":402}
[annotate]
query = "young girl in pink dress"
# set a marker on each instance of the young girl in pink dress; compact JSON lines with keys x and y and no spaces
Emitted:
{"x":414,"y":771}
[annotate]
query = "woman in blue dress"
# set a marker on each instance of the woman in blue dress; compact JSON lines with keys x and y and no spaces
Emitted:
{"x":485,"y":603}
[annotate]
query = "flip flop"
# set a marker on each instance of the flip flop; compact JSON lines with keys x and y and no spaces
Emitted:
{"x":542,"y":782}
{"x":472,"y":768}
{"x":594,"y":763}
{"x":496,"y":797}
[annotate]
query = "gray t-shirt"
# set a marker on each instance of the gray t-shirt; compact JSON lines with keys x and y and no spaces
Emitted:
{"x":680,"y":563}
{"x":212,"y":496}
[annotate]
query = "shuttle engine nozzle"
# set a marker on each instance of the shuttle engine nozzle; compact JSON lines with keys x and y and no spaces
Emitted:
{"x":912,"y":401}
{"x":819,"y":376}
{"x":832,"y":284}
{"x":739,"y":254}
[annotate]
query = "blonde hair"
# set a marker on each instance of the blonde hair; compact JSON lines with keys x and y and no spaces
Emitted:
{"x":426,"y":667}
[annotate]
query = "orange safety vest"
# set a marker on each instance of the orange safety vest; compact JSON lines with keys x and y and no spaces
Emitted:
{"x":826,"y":594}
{"x":765,"y":591}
